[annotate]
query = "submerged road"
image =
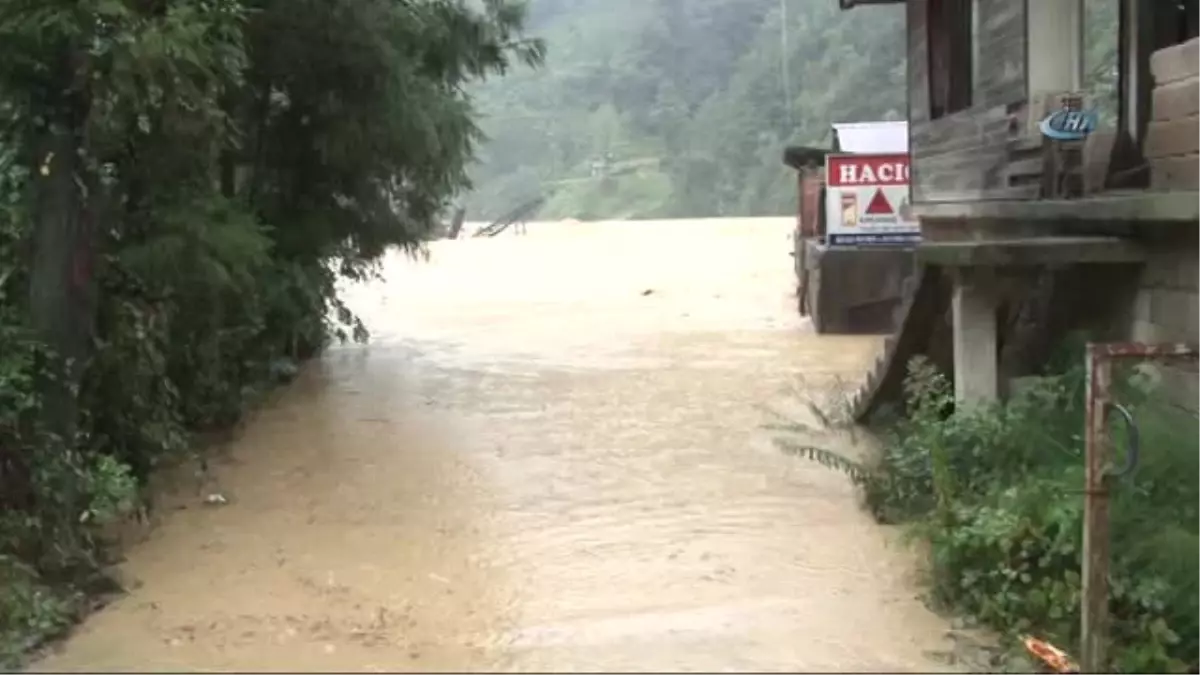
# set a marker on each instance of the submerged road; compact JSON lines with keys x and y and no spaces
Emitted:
{"x":550,"y":457}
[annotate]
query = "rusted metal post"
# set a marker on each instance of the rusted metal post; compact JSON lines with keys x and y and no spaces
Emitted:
{"x":1094,"y":622}
{"x":1097,"y":479}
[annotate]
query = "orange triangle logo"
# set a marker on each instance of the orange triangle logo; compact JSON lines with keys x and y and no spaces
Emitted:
{"x":879,"y":205}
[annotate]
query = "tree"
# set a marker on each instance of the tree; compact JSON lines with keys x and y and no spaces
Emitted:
{"x":182,"y":183}
{"x":696,"y":84}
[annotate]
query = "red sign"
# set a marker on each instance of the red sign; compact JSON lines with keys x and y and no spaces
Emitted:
{"x":867,"y":201}
{"x":879,"y":205}
{"x":852,"y":170}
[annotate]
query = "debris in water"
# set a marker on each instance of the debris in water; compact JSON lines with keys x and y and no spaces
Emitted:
{"x":439,"y":578}
{"x":216,"y":499}
{"x":648,"y":291}
{"x":1053,"y":657}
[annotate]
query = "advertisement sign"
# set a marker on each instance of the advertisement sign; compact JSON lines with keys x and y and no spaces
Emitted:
{"x":867,"y":201}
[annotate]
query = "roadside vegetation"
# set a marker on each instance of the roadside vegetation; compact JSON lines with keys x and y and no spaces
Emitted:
{"x":995,"y":496}
{"x":182,"y":182}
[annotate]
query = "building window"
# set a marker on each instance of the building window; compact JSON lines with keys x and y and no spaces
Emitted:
{"x":1101,"y":66}
{"x":951,"y":30}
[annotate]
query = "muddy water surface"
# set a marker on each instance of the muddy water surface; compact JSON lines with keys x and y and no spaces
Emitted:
{"x":550,"y":457}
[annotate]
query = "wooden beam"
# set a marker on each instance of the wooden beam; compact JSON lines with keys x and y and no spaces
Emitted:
{"x":1031,"y":251}
{"x":851,"y":4}
{"x":1135,"y":82}
{"x":1125,"y":207}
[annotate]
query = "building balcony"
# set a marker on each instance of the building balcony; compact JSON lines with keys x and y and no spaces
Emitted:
{"x":1155,"y":181}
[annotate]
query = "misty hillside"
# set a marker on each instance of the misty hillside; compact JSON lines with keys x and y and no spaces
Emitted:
{"x":666,"y":108}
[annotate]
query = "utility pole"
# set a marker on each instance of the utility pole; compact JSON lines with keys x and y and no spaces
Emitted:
{"x":783,"y":66}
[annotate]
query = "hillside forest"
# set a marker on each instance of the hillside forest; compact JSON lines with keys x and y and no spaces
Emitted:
{"x":682,"y":108}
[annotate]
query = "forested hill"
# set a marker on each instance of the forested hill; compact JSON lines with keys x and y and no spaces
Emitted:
{"x":671,"y":108}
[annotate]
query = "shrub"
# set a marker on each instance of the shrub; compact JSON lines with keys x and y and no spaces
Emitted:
{"x":996,"y":492}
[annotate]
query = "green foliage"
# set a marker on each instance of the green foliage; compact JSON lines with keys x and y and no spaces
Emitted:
{"x":30,"y":610}
{"x":226,"y":161}
{"x":689,"y":91}
{"x":996,"y":493}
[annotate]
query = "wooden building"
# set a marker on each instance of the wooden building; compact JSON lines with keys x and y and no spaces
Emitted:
{"x":1028,"y":237}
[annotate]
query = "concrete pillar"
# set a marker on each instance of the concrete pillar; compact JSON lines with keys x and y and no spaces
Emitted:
{"x":973,"y":305}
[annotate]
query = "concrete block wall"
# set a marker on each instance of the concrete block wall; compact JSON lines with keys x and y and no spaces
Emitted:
{"x":1173,"y":137}
{"x":1166,"y":308}
{"x":1166,"y":304}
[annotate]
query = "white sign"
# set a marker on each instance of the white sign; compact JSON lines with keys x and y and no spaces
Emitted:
{"x":867,"y":201}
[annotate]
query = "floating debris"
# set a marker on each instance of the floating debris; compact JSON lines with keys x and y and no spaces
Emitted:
{"x":1054,"y":658}
{"x":216,"y":499}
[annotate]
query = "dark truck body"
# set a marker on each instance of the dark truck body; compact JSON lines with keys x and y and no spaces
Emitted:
{"x":846,"y":291}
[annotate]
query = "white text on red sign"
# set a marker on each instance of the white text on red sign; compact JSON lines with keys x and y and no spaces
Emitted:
{"x":874,"y":170}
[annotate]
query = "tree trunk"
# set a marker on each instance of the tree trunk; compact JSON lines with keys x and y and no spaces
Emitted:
{"x":456,"y":224}
{"x":61,"y":294}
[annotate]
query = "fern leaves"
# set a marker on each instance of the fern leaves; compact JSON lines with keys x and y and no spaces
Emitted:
{"x":825,"y":457}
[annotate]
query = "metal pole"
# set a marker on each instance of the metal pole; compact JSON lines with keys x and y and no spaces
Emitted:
{"x":783,"y":65}
{"x":1094,"y":597}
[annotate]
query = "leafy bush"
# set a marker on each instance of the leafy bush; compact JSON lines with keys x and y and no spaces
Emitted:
{"x":997,"y":494}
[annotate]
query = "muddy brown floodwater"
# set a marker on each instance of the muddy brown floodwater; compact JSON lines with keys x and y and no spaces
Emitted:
{"x":549,"y":458}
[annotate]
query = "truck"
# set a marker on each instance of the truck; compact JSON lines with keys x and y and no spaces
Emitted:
{"x":854,"y":242}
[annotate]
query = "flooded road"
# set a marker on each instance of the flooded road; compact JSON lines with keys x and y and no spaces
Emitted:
{"x":549,"y":458}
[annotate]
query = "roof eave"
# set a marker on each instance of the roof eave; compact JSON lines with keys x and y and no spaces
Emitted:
{"x":851,"y":4}
{"x":799,"y":157}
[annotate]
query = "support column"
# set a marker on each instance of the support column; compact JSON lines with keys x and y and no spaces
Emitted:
{"x":973,"y":305}
{"x":1055,"y":42}
{"x":1137,"y":21}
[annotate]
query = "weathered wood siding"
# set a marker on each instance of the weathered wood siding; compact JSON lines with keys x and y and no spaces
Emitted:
{"x":967,"y":155}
